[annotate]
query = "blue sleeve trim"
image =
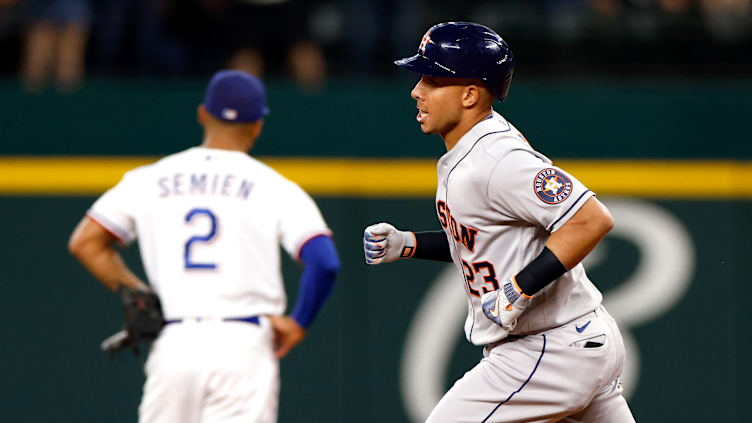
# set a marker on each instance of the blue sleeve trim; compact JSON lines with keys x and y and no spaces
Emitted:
{"x":543,"y":351}
{"x":553,"y":225}
{"x":319,"y":256}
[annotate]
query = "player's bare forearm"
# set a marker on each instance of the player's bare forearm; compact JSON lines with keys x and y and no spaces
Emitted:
{"x":93,"y":246}
{"x":577,"y":238}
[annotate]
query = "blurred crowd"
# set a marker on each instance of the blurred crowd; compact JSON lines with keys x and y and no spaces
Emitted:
{"x":58,"y":42}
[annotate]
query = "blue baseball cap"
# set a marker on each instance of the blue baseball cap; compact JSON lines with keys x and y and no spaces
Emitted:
{"x":236,"y":96}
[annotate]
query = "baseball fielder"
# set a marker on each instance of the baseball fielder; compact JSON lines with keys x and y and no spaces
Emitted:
{"x":516,"y":227}
{"x":209,"y":221}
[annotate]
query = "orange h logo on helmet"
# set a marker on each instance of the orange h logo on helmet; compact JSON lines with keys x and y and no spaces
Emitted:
{"x":424,"y":42}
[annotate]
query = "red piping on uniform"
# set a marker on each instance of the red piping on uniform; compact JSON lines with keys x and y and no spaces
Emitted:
{"x":110,"y":231}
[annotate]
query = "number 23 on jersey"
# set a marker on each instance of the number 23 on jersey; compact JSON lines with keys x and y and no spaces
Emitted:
{"x":486,"y":272}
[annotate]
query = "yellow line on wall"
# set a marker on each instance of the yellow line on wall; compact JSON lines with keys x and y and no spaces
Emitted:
{"x":664,"y":179}
{"x":393,"y":178}
{"x":63,"y":175}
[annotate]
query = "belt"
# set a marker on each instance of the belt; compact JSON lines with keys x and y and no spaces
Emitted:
{"x":251,"y":319}
{"x":508,"y":338}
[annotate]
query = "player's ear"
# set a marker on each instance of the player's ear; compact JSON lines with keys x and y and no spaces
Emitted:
{"x":257,"y":127}
{"x":253,"y":131}
{"x":482,"y":95}
{"x":201,"y":115}
{"x":470,"y":95}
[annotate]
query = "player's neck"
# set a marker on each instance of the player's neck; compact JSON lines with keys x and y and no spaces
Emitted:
{"x":452,"y":137}
{"x":227,"y":143}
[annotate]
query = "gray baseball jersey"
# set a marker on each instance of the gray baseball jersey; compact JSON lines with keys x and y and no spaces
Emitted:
{"x":498,"y":201}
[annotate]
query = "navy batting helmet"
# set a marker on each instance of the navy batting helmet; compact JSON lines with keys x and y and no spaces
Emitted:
{"x":464,"y":50}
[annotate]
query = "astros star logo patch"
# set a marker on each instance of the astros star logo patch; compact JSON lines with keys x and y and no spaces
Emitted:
{"x":552,"y":186}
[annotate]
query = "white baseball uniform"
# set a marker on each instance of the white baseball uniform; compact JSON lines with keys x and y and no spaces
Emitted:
{"x":209,"y":224}
{"x":498,"y":200}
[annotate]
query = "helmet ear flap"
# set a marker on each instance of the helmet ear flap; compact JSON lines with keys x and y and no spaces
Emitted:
{"x":502,"y":90}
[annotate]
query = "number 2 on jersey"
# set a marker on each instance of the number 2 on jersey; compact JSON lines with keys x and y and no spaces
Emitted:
{"x":199,"y":239}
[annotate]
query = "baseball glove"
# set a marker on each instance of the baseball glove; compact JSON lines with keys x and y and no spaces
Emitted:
{"x":143,"y":320}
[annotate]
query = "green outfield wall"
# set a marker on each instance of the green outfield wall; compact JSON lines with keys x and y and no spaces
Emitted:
{"x":687,"y":350}
{"x":376,"y":118}
{"x":673,"y":270}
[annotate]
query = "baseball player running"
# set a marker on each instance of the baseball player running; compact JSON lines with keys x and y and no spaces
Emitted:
{"x":209,"y":221}
{"x":516,"y":227}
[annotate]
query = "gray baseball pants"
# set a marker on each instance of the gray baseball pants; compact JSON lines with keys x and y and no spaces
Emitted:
{"x":567,"y":374}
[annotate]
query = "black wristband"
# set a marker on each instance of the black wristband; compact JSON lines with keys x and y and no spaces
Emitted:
{"x":432,"y":246}
{"x":545,"y":269}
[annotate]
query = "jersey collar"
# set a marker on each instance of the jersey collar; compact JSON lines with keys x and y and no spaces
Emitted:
{"x":493,"y":123}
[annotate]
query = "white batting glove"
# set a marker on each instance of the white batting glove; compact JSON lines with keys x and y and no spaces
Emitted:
{"x":383,"y":243}
{"x":504,"y":305}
